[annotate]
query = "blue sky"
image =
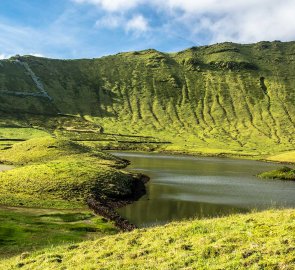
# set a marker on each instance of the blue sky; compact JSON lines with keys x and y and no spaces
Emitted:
{"x":93,"y":28}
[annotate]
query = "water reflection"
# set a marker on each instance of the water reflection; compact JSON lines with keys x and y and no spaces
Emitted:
{"x":188,"y":187}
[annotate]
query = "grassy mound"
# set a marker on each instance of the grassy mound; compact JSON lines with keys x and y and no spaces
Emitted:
{"x":46,"y":149}
{"x":253,"y":241}
{"x":61,"y":174}
{"x":284,"y":173}
{"x":71,"y":180}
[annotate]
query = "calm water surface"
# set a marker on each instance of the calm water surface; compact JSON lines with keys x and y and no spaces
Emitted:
{"x":192,"y":187}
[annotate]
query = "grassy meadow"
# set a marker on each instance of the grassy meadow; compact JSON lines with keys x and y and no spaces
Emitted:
{"x":252,"y":241}
{"x":29,"y":229}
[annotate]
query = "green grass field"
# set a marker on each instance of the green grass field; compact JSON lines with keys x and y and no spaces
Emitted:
{"x":28,"y":229}
{"x":252,"y":241}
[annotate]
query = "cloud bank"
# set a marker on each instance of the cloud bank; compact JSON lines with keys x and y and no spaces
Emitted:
{"x":228,"y":20}
{"x":92,"y":28}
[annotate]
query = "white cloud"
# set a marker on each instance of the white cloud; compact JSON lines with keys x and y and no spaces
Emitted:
{"x":37,"y":54}
{"x":227,"y":20}
{"x":112,"y":5}
{"x":3,"y":56}
{"x":109,"y":21}
{"x":137,"y":24}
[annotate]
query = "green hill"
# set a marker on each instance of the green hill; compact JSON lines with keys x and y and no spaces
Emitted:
{"x":225,"y":98}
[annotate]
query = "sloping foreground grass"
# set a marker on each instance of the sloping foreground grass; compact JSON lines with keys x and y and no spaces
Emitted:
{"x":284,"y":173}
{"x":253,"y":241}
{"x":27,"y":229}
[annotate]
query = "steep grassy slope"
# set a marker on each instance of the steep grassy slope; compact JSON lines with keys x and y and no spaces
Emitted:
{"x":222,"y":98}
{"x":254,"y":241}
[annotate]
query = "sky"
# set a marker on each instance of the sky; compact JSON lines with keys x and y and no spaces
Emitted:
{"x":93,"y":28}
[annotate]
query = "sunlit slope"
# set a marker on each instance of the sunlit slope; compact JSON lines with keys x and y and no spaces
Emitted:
{"x":254,"y":241}
{"x":224,"y":96}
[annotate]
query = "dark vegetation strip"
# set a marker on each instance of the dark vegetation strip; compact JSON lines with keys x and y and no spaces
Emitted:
{"x":107,"y":208}
{"x":14,"y":140}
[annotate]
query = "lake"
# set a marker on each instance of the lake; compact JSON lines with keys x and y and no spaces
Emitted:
{"x":183,"y":187}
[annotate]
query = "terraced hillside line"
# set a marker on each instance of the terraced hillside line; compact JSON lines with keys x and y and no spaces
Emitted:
{"x":233,"y":138}
{"x":128,"y":102}
{"x":183,"y":98}
{"x":152,"y":112}
{"x":227,"y":100}
{"x":288,"y":115}
{"x":35,"y":79}
{"x":188,"y":88}
{"x":190,"y":104}
{"x":202,"y":110}
{"x":274,"y":124}
{"x":173,"y":111}
{"x":215,"y":108}
{"x":222,"y":109}
{"x":237,"y":103}
{"x":208,"y":102}
{"x":231,"y":101}
{"x":239,"y":84}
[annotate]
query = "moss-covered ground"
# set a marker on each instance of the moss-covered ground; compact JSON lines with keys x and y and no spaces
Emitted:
{"x":253,"y":241}
{"x":28,"y":229}
{"x":284,"y":173}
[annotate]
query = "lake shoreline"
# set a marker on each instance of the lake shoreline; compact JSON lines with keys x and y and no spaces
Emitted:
{"x":185,"y":186}
{"x":203,"y":154}
{"x":107,"y":208}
